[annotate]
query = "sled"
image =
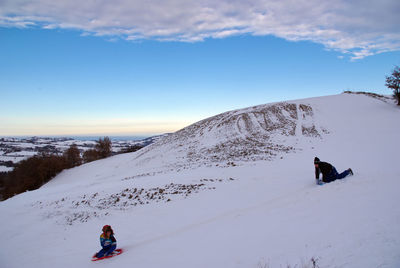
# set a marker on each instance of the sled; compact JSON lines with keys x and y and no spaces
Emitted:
{"x":115,"y":253}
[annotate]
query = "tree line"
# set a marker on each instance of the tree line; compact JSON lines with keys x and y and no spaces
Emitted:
{"x":32,"y":173}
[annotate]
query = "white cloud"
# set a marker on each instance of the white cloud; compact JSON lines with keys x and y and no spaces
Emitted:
{"x":358,"y":28}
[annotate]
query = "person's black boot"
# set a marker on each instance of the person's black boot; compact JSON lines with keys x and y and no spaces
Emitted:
{"x":350,"y":172}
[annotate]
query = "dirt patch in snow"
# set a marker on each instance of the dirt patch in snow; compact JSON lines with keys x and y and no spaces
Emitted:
{"x":69,"y":210}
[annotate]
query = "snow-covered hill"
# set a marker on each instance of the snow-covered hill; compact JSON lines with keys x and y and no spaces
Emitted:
{"x":233,"y":190}
{"x":256,"y":133}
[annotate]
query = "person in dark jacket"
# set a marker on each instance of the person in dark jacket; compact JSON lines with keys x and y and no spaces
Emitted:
{"x":329,"y":172}
{"x":107,"y":242}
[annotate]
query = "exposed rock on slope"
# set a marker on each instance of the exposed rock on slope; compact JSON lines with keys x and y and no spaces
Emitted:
{"x":255,"y":133}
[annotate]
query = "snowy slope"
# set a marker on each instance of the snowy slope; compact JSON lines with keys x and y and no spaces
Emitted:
{"x":234,"y":190}
{"x":256,"y":133}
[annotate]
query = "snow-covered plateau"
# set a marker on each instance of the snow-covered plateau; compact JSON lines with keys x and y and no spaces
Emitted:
{"x":234,"y":190}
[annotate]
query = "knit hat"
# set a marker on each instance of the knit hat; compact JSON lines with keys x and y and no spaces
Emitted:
{"x":316,"y":160}
{"x":107,"y":228}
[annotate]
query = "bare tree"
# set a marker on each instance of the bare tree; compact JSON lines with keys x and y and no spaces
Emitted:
{"x":90,"y":155}
{"x":393,"y":82}
{"x":103,"y":147}
{"x":73,"y":156}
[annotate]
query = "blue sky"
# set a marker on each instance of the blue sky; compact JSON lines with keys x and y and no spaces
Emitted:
{"x":72,"y":80}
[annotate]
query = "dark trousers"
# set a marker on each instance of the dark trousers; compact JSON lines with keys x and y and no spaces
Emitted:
{"x":106,"y":251}
{"x":334,"y":175}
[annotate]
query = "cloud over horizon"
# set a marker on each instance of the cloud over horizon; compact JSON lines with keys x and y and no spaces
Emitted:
{"x":358,"y":28}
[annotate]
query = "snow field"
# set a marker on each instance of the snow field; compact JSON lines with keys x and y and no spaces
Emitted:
{"x":271,"y":212}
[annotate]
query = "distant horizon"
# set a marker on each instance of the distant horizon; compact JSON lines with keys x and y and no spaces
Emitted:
{"x":88,"y":137}
{"x":146,"y":135}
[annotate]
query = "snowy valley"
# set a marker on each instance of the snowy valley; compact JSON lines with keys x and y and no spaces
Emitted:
{"x":15,"y":149}
{"x":234,"y":190}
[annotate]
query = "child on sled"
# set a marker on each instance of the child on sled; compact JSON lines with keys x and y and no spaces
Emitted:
{"x":107,"y":241}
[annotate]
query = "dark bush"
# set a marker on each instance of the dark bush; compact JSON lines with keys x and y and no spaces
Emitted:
{"x":102,"y":150}
{"x":73,"y":156}
{"x":90,"y":155}
{"x":32,"y":173}
{"x":103,"y":147}
{"x":131,"y":149}
{"x":3,"y":176}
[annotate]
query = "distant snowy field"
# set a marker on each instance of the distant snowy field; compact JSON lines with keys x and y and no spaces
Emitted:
{"x":5,"y":169}
{"x":197,"y":199}
{"x":16,"y":149}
